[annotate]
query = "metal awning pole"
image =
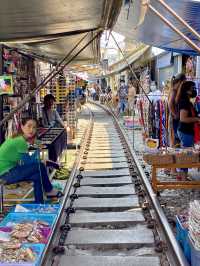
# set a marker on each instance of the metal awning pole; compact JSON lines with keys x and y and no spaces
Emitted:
{"x":168,"y":23}
{"x":180,"y":19}
{"x":49,"y":77}
{"x":131,"y":69}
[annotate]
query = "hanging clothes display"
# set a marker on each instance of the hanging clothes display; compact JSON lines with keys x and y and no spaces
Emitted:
{"x":154,"y":116}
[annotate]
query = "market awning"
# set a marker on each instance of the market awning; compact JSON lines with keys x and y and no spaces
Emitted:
{"x":52,"y":27}
{"x":55,"y":50}
{"x":143,"y":25}
{"x":122,"y":65}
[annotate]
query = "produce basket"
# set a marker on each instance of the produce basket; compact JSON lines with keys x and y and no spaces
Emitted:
{"x":13,"y":218}
{"x":37,"y":250}
{"x":158,"y":159}
{"x":44,"y":233}
{"x":189,"y":157}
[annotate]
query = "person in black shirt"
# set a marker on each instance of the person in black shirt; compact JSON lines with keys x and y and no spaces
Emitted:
{"x":187,"y":115}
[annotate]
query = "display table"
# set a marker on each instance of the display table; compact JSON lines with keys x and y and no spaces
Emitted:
{"x":55,"y":139}
{"x":160,"y":185}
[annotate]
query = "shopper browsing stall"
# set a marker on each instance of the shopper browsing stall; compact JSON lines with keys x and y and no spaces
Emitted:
{"x":122,"y":96}
{"x":50,"y":116}
{"x":14,"y":170}
{"x":173,"y":108}
{"x":187,"y":114}
{"x":131,"y":96}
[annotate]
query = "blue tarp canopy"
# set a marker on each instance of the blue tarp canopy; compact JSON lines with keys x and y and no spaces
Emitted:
{"x":147,"y":27}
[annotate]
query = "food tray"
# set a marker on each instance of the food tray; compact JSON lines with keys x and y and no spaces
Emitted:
{"x":187,"y":158}
{"x":158,"y":159}
{"x":38,"y":208}
{"x":27,"y":217}
{"x":37,"y":248}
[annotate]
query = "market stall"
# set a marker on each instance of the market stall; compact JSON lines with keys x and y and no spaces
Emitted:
{"x":173,"y":159}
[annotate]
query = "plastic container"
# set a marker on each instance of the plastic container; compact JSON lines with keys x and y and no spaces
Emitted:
{"x":27,"y":217}
{"x":37,"y":249}
{"x":181,"y":232}
{"x":182,"y":238}
{"x":45,"y":232}
{"x":195,"y":254}
{"x":37,"y":208}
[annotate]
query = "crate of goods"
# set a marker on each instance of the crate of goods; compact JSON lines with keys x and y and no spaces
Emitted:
{"x":187,"y":157}
{"x":24,"y":233}
{"x":15,"y":218}
{"x":182,"y":235}
{"x":36,"y":208}
{"x":158,"y":158}
{"x":21,"y":255}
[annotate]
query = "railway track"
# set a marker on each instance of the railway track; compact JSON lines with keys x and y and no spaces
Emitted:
{"x":110,"y":215}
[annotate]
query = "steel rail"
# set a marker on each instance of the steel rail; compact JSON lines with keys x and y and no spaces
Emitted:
{"x":169,"y":235}
{"x":48,"y":249}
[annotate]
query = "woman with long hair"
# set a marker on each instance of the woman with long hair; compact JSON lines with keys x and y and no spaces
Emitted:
{"x":50,"y":116}
{"x":12,"y":168}
{"x":187,"y":113}
{"x":188,"y":117}
{"x":176,"y":83}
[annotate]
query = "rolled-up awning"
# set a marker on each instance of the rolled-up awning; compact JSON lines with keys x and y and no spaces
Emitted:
{"x":145,"y":26}
{"x":52,"y":27}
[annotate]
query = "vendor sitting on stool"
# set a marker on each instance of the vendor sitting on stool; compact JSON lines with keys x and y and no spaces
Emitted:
{"x":50,"y":116}
{"x":12,"y":168}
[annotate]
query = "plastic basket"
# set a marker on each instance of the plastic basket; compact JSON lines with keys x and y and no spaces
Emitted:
{"x":38,"y":250}
{"x":27,"y":217}
{"x":182,"y":238}
{"x":195,"y":253}
{"x":37,"y":208}
{"x":45,"y":232}
{"x":181,"y":232}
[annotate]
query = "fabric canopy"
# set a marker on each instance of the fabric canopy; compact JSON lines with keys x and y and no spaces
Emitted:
{"x":143,"y":25}
{"x":51,"y":27}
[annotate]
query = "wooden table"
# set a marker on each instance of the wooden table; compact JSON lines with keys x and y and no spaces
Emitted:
{"x":160,"y":185}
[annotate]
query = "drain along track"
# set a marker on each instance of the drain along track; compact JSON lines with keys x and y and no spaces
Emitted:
{"x":106,"y":216}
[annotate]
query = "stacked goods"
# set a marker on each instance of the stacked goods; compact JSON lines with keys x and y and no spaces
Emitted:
{"x":186,"y":156}
{"x":71,"y":106}
{"x":155,"y":156}
{"x":194,"y":232}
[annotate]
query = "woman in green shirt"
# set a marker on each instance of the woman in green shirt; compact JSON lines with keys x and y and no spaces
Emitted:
{"x":13,"y":171}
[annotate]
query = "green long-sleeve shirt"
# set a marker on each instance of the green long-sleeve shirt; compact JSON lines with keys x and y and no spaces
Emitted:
{"x":10,"y":153}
